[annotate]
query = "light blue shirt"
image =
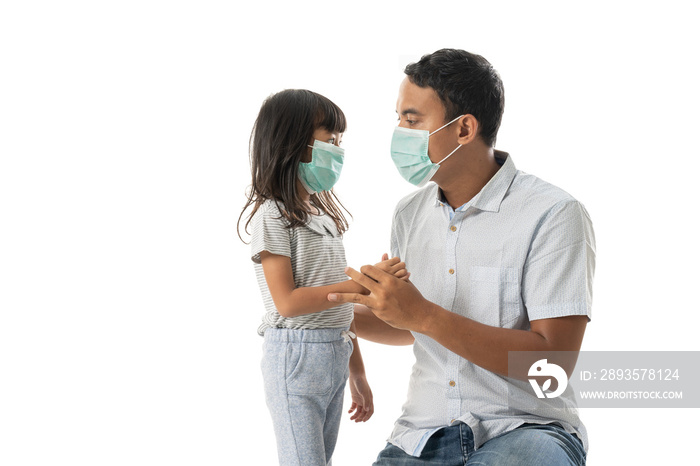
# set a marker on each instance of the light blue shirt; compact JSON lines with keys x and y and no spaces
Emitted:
{"x":520,"y":250}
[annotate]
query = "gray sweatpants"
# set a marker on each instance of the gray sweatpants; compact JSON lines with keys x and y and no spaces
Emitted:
{"x":305,"y":373}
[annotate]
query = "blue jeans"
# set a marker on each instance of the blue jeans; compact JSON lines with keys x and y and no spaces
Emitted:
{"x":305,"y":373}
{"x":529,"y":444}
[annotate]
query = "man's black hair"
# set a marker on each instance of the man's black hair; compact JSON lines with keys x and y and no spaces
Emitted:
{"x":467,"y":84}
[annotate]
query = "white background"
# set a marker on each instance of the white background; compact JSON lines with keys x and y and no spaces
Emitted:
{"x":128,"y":303}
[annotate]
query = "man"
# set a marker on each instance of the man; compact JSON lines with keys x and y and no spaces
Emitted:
{"x":500,"y":262}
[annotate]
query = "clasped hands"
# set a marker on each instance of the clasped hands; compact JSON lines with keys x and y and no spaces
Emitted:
{"x":389,"y":294}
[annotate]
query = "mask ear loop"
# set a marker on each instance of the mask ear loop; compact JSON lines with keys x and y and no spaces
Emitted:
{"x":448,"y":155}
{"x":448,"y":124}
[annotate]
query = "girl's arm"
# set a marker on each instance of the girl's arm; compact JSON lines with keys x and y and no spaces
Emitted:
{"x":291,"y":301}
{"x":362,"y":399}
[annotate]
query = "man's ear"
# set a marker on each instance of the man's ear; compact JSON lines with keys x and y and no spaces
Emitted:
{"x":468,"y":129}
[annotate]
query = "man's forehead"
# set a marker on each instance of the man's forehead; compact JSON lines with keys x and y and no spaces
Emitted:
{"x":417,"y":100}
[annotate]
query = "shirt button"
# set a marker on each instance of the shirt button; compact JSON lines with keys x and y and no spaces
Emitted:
{"x":452,"y":271}
{"x":452,"y":383}
{"x":453,"y":228}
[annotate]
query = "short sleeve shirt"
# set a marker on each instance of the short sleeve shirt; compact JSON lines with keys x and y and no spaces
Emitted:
{"x":520,"y":250}
{"x":317,"y":256}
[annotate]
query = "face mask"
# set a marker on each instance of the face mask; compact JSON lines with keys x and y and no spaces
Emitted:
{"x":409,"y":151}
{"x":324,"y":169}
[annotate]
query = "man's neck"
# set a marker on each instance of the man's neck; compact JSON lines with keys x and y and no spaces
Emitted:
{"x":469,"y":179}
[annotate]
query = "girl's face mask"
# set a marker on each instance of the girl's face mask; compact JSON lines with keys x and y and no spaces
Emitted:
{"x":409,"y":151}
{"x":324,"y":169}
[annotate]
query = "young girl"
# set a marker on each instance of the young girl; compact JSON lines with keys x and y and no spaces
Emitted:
{"x":299,"y":259}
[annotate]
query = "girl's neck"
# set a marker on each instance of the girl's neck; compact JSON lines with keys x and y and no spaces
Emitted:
{"x":306,"y":199}
{"x":303,"y":193}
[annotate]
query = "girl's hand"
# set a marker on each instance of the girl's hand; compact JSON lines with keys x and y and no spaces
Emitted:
{"x":359,"y":288}
{"x":362,"y":400}
{"x":394,"y":267}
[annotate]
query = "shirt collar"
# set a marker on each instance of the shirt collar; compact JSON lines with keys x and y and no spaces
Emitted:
{"x":492,"y":194}
{"x":321,"y":225}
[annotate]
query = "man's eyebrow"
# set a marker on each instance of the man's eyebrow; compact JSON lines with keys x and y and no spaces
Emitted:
{"x":411,"y":111}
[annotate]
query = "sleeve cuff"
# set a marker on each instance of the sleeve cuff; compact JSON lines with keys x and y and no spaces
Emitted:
{"x":256,"y":255}
{"x":549,"y":311}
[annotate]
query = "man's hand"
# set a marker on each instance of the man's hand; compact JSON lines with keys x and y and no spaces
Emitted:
{"x":396,"y":301}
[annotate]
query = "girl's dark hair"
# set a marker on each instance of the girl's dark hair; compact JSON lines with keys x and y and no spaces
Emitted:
{"x":284,"y":127}
{"x":466,"y":84}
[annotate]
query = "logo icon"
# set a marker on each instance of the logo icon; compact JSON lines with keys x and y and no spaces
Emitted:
{"x":542,"y":368}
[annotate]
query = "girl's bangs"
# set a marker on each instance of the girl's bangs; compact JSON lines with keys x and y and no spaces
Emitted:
{"x":330,"y":116}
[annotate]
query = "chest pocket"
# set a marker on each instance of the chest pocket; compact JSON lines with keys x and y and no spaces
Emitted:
{"x":494,"y":295}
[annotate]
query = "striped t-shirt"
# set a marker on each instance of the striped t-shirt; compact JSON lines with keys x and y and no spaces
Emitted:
{"x":318,"y":259}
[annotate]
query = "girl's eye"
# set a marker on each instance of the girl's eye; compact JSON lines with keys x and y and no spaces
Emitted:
{"x":331,"y":141}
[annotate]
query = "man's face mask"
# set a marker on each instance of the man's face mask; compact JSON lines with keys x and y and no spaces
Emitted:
{"x":409,"y":151}
{"x":324,"y":169}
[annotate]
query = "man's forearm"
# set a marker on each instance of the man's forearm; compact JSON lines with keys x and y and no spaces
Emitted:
{"x":371,"y":328}
{"x":488,"y":346}
{"x":399,"y":304}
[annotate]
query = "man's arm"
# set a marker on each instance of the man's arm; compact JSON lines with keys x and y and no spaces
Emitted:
{"x":402,"y":306}
{"x":488,"y":346}
{"x":372,"y":328}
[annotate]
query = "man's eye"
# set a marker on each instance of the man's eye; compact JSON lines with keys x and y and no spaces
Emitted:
{"x":410,"y":122}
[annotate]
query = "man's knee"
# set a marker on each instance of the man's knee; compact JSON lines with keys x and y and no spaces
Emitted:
{"x":532,"y":444}
{"x":392,"y":455}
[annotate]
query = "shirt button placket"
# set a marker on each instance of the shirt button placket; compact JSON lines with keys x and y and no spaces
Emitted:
{"x":451,"y":259}
{"x":453,"y":361}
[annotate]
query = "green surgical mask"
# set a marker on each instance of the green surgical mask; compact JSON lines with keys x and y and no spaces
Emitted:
{"x":409,"y":151}
{"x":324,"y":169}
